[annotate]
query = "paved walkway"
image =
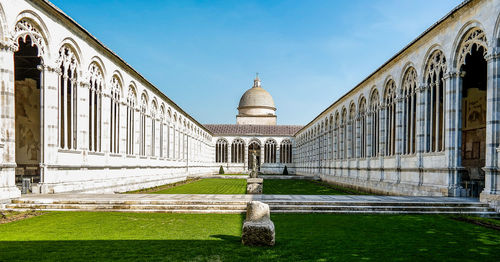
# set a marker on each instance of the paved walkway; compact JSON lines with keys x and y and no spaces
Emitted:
{"x":207,"y":197}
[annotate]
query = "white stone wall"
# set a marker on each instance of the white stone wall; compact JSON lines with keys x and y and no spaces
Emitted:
{"x":421,"y":173}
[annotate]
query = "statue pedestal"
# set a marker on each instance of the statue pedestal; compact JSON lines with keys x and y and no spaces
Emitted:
{"x":254,"y":185}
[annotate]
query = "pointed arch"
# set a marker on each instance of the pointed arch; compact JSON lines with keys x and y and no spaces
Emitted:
{"x":270,"y":151}
{"x":131,"y":104}
{"x":237,"y":151}
{"x":409,"y":106}
{"x":69,"y":64}
{"x":390,"y":117}
{"x":286,"y":151}
{"x":221,"y":151}
{"x":362,"y":126}
{"x":433,"y":96}
{"x":29,"y":24}
{"x":374,"y":117}
{"x":96,"y":86}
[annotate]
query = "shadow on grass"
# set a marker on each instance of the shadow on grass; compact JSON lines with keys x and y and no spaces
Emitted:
{"x":228,"y":238}
{"x":311,"y":237}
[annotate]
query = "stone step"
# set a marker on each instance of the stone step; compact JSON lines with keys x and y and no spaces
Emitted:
{"x":183,"y":211}
{"x":203,"y":211}
{"x":124,"y":207}
{"x":223,"y":202}
{"x":242,"y":208}
{"x":381,"y":208}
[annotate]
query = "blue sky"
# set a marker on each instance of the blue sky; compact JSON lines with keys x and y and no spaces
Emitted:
{"x":204,"y":54}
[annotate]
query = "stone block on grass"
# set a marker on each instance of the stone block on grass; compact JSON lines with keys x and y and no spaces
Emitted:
{"x":258,"y":229}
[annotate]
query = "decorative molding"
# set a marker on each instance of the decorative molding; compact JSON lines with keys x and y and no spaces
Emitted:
{"x":473,"y":37}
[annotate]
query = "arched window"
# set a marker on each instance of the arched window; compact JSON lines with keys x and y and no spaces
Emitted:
{"x":352,"y":129}
{"x":390,"y":117}
{"x":114,"y":118}
{"x":286,"y":151}
{"x":162,"y":123}
{"x":153,"y":113}
{"x":270,"y":151}
{"x":169,"y":116}
{"x":336,"y":138}
{"x":374,"y":120}
{"x":409,"y":110}
{"x":343,"y":134}
{"x":142,"y":130}
{"x":131,"y":101}
{"x":174,"y":137}
{"x":237,"y":151}
{"x":434,"y":102}
{"x":362,"y":128}
{"x":68,"y":99}
{"x":221,"y":151}
{"x":95,"y":107}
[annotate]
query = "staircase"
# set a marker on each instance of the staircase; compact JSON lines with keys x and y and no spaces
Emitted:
{"x":237,"y":204}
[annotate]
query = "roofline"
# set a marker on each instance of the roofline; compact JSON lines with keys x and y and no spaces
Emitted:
{"x":454,"y":10}
{"x":113,"y":54}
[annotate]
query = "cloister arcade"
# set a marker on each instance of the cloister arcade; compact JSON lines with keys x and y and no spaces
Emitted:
{"x":425,"y":123}
{"x":272,"y":154}
{"x":79,"y":116}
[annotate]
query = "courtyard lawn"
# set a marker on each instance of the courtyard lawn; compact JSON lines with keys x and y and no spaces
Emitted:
{"x":209,"y":186}
{"x":303,"y":187}
{"x":91,"y":236}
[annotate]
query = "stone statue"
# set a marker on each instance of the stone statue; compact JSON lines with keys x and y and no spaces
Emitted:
{"x":254,"y":164}
{"x":253,"y":173}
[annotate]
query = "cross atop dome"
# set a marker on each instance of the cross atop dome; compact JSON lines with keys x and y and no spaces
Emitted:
{"x":256,"y":82}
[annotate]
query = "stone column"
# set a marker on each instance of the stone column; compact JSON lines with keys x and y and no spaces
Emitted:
{"x":399,"y":136}
{"x":453,"y":130}
{"x":49,"y":129}
{"x":8,"y":187}
{"x":420,"y":129}
{"x":492,"y":174}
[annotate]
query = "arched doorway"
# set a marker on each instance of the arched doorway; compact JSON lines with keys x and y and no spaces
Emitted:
{"x":254,"y":147}
{"x":473,"y":72}
{"x":27,"y":110}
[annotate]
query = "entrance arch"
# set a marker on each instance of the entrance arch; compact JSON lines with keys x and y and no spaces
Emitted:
{"x":472,"y":66}
{"x":27,"y":110}
{"x":254,"y":147}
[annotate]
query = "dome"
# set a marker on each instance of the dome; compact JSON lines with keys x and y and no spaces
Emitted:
{"x":257,"y":97}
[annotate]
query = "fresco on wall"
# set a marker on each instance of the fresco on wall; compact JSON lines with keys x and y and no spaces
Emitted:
{"x":474,"y":109}
{"x":27,"y":123}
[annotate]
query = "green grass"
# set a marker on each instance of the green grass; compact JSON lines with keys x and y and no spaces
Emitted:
{"x":92,"y":236}
{"x":209,"y":186}
{"x":238,"y":186}
{"x":303,"y":187}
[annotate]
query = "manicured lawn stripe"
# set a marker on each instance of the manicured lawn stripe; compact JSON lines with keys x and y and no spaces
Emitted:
{"x":302,"y":187}
{"x":209,"y":186}
{"x":91,"y":236}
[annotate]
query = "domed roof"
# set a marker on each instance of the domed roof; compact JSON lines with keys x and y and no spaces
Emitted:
{"x":256,"y":97}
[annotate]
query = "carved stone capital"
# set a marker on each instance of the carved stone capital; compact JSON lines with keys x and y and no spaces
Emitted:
{"x":9,"y":46}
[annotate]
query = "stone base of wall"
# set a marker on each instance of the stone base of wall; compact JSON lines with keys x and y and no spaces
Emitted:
{"x":7,"y":193}
{"x":113,"y":181}
{"x":492,"y":200}
{"x":384,"y":188}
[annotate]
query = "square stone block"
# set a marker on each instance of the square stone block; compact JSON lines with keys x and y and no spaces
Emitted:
{"x":258,"y":233}
{"x":254,"y":185}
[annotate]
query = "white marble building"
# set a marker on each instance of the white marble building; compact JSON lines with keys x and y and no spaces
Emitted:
{"x":76,"y":117}
{"x":427,"y":122}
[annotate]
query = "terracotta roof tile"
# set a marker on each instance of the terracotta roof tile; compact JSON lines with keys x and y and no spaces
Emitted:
{"x":266,"y":130}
